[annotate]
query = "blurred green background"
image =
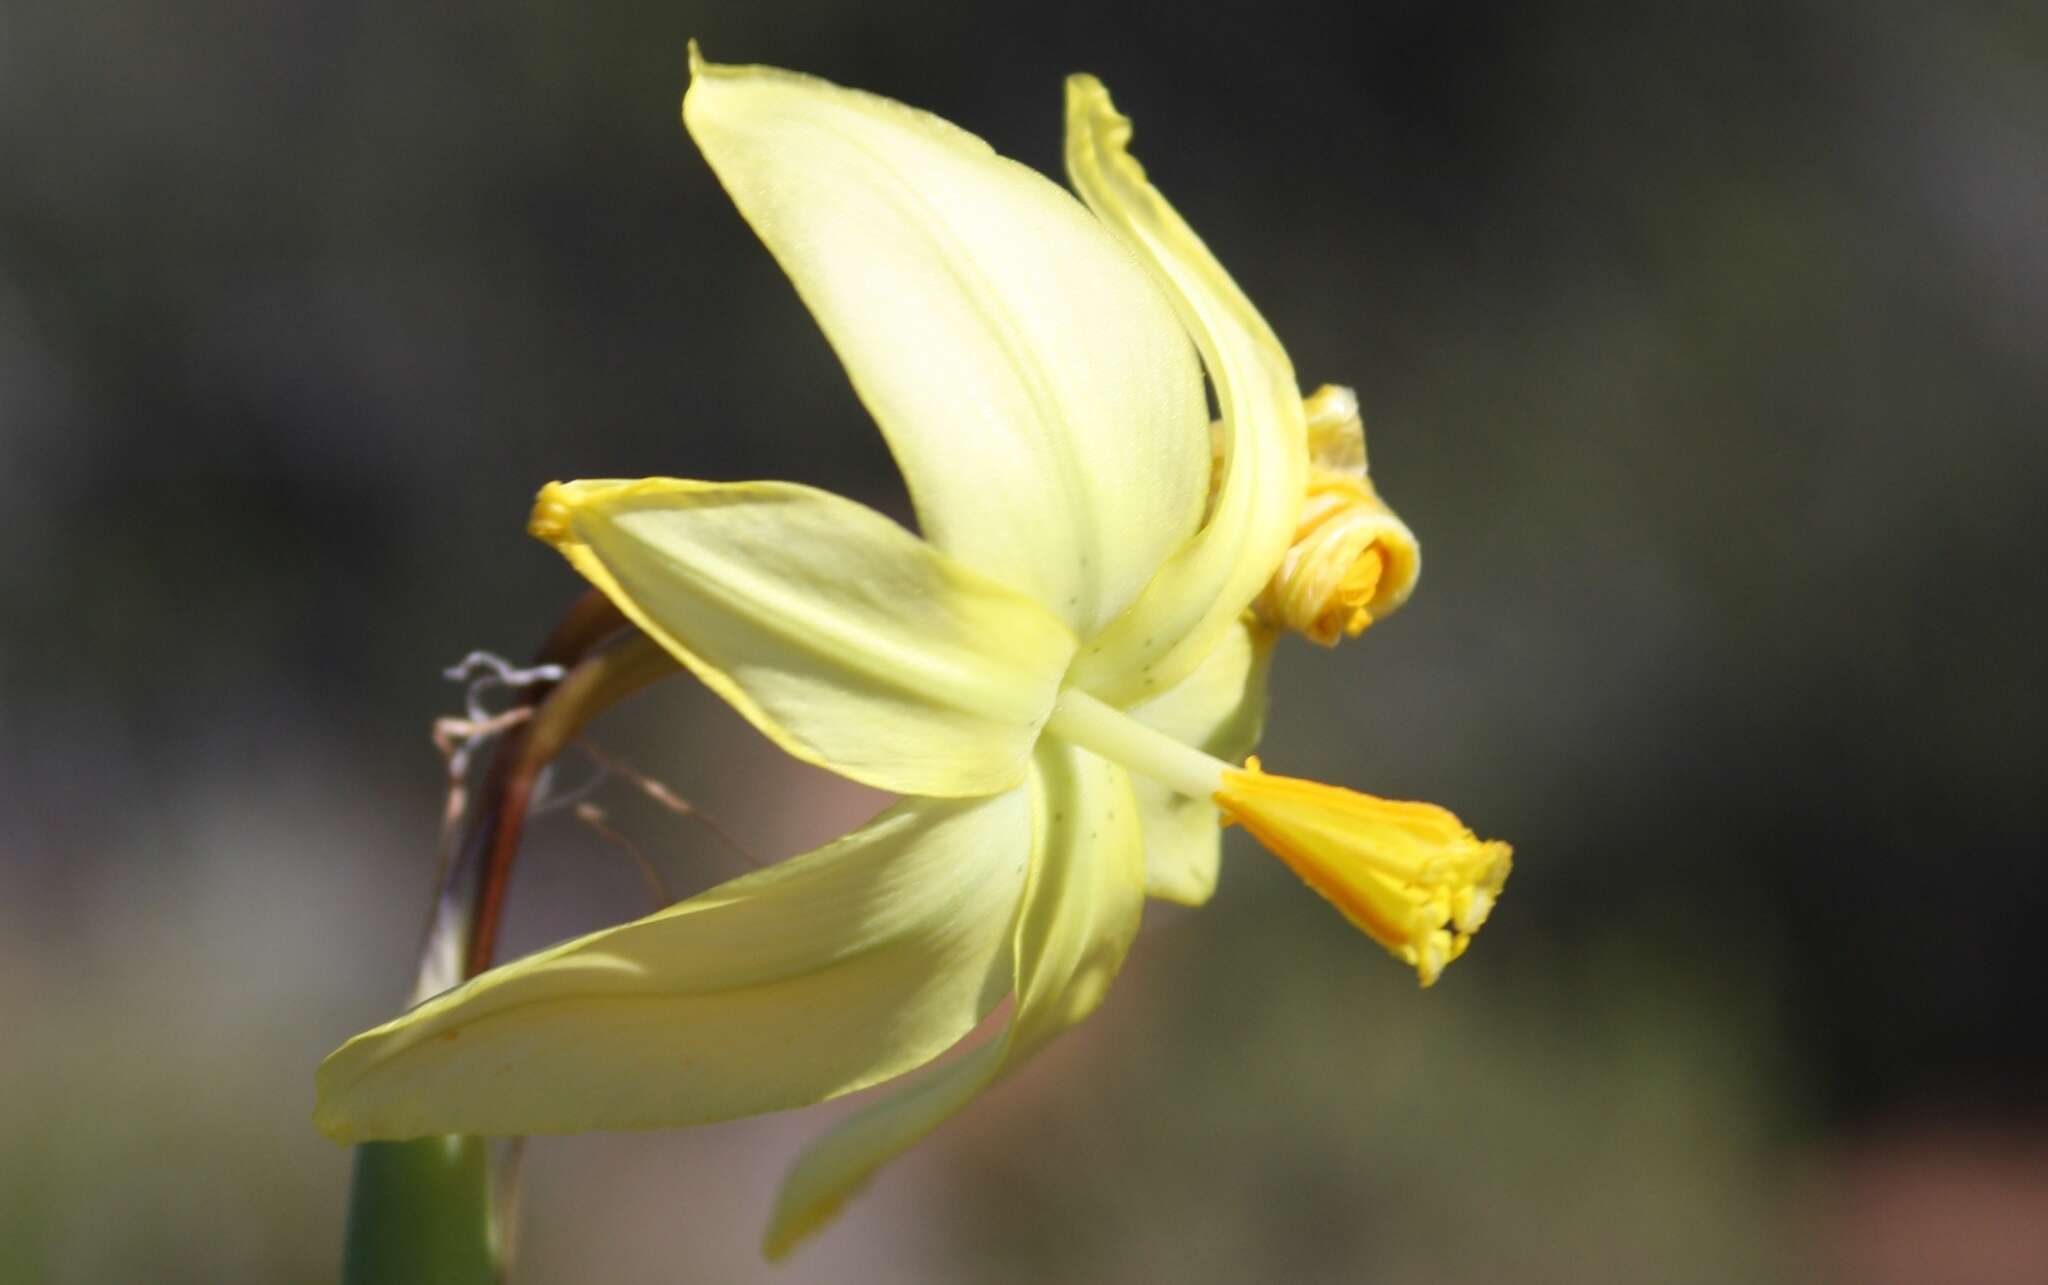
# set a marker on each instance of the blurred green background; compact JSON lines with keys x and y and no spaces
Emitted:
{"x":1702,"y":345}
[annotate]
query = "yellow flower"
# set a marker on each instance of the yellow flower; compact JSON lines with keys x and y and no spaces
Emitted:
{"x":1059,"y":677}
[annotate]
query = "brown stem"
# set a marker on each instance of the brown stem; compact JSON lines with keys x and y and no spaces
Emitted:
{"x":606,"y":659}
{"x":609,"y":672}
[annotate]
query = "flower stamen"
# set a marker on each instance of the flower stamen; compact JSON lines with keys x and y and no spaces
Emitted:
{"x":1410,"y":875}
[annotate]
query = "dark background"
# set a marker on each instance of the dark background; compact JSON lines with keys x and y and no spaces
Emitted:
{"x":1702,"y":346}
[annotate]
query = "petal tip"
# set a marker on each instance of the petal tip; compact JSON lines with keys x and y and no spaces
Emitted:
{"x":334,"y":1122}
{"x":332,"y":1082}
{"x":550,"y":520}
{"x":795,"y":1223}
{"x":699,"y":71}
{"x":704,"y":74}
{"x":1089,"y":104}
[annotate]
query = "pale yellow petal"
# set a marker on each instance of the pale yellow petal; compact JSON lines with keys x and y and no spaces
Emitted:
{"x":815,"y":977}
{"x":1043,"y":402}
{"x":1200,"y":592}
{"x":1081,"y":910}
{"x":845,"y":638}
{"x":1219,"y":709}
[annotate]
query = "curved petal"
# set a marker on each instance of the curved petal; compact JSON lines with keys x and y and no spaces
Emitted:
{"x":1080,"y":912}
{"x":1040,"y":397}
{"x":846,"y":639}
{"x":1200,"y":591}
{"x":815,"y":977}
{"x":1219,"y":709}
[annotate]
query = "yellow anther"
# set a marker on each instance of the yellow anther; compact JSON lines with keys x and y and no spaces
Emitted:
{"x":1410,"y":875}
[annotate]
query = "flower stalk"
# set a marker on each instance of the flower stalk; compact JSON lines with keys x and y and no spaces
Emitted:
{"x":442,"y":1208}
